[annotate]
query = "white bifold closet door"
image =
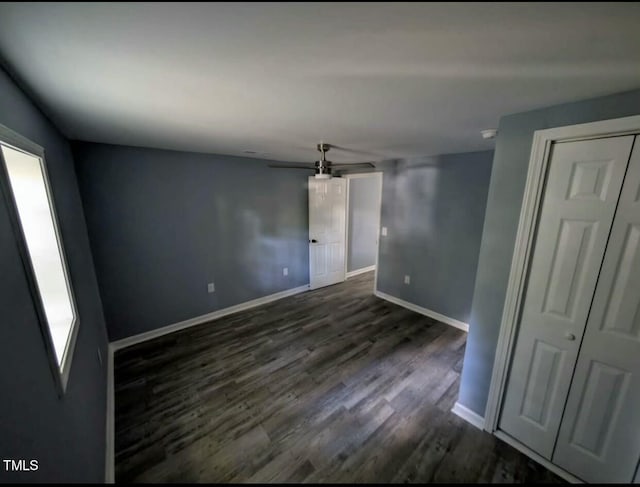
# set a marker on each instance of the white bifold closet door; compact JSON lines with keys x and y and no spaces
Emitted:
{"x":599,"y":438}
{"x":579,"y":202}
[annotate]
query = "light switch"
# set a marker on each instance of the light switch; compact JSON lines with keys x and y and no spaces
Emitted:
{"x":384,"y":231}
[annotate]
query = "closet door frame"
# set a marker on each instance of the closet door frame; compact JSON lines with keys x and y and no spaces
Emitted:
{"x":525,"y":240}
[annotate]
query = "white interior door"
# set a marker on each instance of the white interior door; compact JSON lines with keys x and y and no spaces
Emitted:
{"x":327,"y":231}
{"x":582,"y":190}
{"x":599,"y":438}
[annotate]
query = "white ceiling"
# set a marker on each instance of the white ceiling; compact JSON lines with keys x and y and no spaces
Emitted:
{"x":388,"y":79}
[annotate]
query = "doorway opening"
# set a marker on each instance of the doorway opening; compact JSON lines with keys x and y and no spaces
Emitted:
{"x":364,"y":205}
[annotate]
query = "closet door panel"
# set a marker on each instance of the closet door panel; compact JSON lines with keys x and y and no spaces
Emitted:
{"x":599,"y":439}
{"x":581,"y":193}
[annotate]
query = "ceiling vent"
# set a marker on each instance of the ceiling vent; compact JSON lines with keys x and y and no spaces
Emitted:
{"x":489,"y":133}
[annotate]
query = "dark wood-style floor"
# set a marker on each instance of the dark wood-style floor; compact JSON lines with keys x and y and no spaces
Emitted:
{"x":333,"y":385}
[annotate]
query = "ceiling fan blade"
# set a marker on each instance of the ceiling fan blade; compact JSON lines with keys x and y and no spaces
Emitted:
{"x":355,"y":151}
{"x":346,"y":165}
{"x":292,"y":166}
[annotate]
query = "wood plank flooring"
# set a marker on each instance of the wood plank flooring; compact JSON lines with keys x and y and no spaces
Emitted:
{"x":332,"y":385}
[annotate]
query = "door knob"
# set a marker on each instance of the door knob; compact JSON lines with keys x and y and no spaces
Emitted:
{"x":313,"y":240}
{"x":570,"y":336}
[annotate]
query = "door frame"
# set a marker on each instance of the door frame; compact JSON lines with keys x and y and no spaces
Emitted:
{"x":348,"y":178}
{"x":525,"y":239}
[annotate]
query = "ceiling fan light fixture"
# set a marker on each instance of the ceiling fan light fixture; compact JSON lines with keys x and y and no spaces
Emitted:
{"x":323,"y":170}
{"x":323,"y":167}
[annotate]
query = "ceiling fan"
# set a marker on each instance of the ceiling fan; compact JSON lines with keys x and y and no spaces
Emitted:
{"x":323,"y":167}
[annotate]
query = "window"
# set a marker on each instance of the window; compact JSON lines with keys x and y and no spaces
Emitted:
{"x":28,"y":194}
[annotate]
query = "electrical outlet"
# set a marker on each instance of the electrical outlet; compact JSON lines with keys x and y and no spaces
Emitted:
{"x":407,"y":279}
{"x":99,"y":357}
{"x":285,"y":271}
{"x":211,"y":288}
{"x":384,"y":231}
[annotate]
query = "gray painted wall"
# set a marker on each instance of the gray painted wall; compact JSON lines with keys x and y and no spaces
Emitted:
{"x":508,"y":177}
{"x":364,"y":194}
{"x":163,"y":224}
{"x":433,"y":209}
{"x":66,"y":435}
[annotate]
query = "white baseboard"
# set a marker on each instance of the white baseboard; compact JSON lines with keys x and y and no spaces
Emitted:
{"x":109,"y":474}
{"x":361,"y":271}
{"x":476,"y":420}
{"x":149,"y":335}
{"x":423,"y":311}
{"x":534,"y":456}
{"x":468,"y":415}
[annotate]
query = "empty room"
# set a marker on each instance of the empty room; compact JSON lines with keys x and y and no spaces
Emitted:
{"x":349,"y":242}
